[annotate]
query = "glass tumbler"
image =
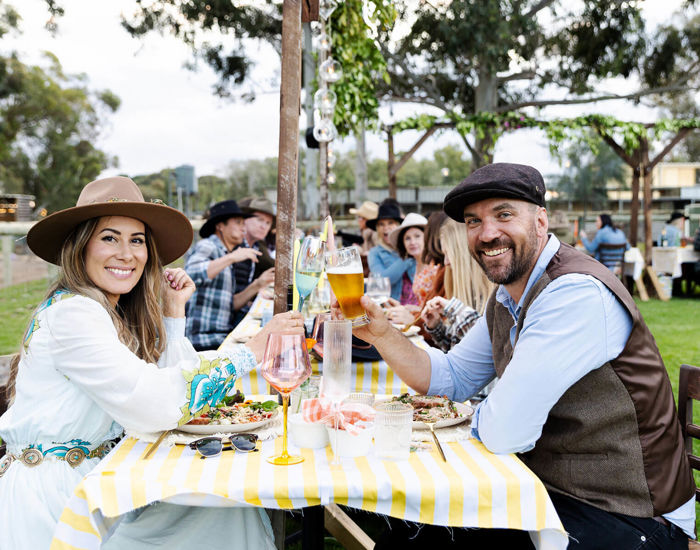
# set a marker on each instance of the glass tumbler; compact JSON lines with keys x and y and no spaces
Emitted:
{"x":393,"y":425}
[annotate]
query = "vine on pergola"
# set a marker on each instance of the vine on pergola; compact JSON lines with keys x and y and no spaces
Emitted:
{"x":629,"y":140}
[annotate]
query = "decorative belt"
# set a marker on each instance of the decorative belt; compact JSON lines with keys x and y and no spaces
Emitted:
{"x":74,"y":452}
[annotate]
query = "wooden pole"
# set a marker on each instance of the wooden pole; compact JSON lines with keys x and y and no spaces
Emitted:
{"x":634,"y":207}
{"x":390,"y":162}
{"x":323,"y":176}
{"x":646,"y":179}
{"x":290,"y":105}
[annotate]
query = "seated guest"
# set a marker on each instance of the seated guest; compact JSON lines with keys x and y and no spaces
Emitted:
{"x":583,"y":395}
{"x":607,"y":234}
{"x":465,"y":281}
{"x":673,"y":231}
{"x":105,"y":351}
{"x":409,"y":240}
{"x":255,"y":231}
{"x":384,"y":259}
{"x":210,"y":311}
{"x":368,"y":211}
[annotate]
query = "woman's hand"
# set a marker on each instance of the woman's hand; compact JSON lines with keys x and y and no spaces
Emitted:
{"x":290,"y":321}
{"x":266,"y":278}
{"x":243,"y":253}
{"x":433,"y":311}
{"x":400,"y":315}
{"x":178,"y":289}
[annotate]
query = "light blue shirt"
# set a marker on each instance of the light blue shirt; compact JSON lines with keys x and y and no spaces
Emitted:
{"x":572,"y":308}
{"x":388,"y":263}
{"x":605,"y":235}
{"x":673,"y":235}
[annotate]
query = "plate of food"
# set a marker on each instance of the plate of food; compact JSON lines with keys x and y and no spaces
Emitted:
{"x":411,"y":331}
{"x":232,"y":417}
{"x":435,"y":408}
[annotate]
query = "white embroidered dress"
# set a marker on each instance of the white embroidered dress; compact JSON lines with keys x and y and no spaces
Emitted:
{"x":77,"y":386}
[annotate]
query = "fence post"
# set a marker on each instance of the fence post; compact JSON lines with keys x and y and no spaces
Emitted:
{"x":7,"y":259}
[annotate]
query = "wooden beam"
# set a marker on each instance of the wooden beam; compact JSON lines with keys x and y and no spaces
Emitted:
{"x":657,"y":284}
{"x":290,"y":105}
{"x":345,"y":530}
{"x":309,"y":11}
{"x":391,"y":160}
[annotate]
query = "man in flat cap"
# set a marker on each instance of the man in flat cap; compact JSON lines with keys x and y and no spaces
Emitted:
{"x":582,"y":394}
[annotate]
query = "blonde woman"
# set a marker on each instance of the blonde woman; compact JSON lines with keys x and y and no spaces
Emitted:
{"x":465,"y":281}
{"x":105,"y":351}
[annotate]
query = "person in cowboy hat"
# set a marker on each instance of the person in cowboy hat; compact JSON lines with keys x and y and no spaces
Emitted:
{"x":384,"y":259}
{"x":210,"y":312}
{"x":106,"y":351}
{"x":582,"y":394}
{"x":256,"y":227}
{"x":366,"y":212}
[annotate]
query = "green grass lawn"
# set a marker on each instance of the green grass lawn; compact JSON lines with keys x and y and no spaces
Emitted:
{"x":674,"y":324}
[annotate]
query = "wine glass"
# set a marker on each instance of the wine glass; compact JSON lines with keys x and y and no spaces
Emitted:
{"x":344,"y":270}
{"x":285,"y":366}
{"x":378,"y":288}
{"x":309,"y":267}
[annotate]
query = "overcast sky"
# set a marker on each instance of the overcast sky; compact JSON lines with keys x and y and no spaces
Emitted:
{"x":169,"y":115}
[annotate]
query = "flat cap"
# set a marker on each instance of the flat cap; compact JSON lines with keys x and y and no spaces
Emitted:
{"x":501,"y":179}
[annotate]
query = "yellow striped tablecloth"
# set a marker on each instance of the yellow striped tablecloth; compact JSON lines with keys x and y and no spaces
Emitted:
{"x":474,"y":488}
{"x":373,"y":376}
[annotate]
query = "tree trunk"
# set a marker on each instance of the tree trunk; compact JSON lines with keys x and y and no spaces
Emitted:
{"x":360,"y":167}
{"x":646,"y":175}
{"x":485,"y":100}
{"x":390,"y":164}
{"x":634,"y":207}
{"x":287,"y":167}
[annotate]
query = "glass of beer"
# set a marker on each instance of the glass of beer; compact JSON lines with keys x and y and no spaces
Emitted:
{"x":344,"y":270}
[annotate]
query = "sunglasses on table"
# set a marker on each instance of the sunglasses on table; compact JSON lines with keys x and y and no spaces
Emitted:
{"x":213,"y":446}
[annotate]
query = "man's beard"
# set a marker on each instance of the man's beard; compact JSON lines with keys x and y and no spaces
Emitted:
{"x":522,"y":260}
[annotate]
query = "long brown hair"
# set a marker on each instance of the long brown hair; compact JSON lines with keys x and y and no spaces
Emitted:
{"x":432,"y":251}
{"x":464,"y":278}
{"x":138,"y":316}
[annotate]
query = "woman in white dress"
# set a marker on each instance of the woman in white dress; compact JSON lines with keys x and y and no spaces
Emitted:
{"x":106,"y":352}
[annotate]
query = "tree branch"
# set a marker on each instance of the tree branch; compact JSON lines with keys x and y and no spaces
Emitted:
{"x":618,"y":149}
{"x":523,"y":75}
{"x":635,"y":95}
{"x":678,"y":137}
{"x":538,"y":7}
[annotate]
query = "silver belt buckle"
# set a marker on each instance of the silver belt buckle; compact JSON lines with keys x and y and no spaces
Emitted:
{"x":5,"y":463}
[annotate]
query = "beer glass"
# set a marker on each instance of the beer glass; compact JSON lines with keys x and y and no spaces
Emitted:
{"x":344,"y":270}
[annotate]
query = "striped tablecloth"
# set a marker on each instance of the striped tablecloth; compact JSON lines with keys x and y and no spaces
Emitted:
{"x":474,"y":488}
{"x":374,"y":377}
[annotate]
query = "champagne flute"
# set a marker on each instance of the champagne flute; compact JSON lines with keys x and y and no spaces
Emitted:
{"x":285,"y":366}
{"x":309,"y":266}
{"x":337,"y":359}
{"x":344,"y":269}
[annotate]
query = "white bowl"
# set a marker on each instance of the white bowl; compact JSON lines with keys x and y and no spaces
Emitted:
{"x":349,"y":445}
{"x":306,"y":434}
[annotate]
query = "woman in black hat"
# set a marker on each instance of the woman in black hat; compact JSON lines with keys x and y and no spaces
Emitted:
{"x":384,"y":259}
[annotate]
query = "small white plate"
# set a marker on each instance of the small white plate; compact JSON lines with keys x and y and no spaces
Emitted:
{"x":211,"y":429}
{"x":465,"y":412}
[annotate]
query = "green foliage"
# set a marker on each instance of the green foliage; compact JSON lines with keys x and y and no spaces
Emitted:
{"x":50,"y":122}
{"x":362,"y":62}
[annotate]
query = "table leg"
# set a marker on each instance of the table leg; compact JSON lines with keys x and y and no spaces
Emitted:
{"x":313,"y":531}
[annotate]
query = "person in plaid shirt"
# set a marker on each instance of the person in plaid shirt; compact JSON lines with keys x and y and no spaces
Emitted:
{"x":211,"y":310}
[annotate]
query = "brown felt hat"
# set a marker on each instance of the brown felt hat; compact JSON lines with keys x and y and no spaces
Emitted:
{"x":117,"y":196}
{"x":501,"y":179}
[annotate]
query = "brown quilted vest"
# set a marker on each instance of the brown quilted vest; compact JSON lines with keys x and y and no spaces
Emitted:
{"x":613,"y":440}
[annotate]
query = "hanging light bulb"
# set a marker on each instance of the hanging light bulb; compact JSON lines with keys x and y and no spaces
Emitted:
{"x":325,"y":100}
{"x":330,"y":159}
{"x":324,"y":42}
{"x":326,"y":8}
{"x":331,"y":179}
{"x":325,"y":131}
{"x":330,"y":71}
